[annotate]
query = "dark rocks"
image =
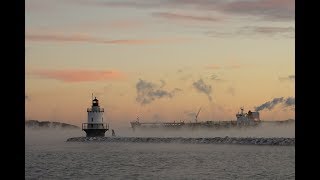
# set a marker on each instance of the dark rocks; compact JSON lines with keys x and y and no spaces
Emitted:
{"x":215,"y":140}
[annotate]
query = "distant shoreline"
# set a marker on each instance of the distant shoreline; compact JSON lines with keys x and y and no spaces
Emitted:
{"x":48,"y":124}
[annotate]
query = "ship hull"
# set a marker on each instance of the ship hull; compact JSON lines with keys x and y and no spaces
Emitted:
{"x":199,"y":125}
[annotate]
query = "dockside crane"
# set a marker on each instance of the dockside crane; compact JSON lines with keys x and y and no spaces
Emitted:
{"x":197,"y":115}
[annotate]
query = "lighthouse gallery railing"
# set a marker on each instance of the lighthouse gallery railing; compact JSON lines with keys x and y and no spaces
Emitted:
{"x":95,"y":110}
{"x":95,"y":126}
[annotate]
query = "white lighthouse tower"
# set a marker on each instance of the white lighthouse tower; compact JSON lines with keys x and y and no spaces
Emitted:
{"x":95,"y":125}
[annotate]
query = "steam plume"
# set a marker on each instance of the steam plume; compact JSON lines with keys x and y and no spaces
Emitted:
{"x":148,"y":92}
{"x":203,"y":88}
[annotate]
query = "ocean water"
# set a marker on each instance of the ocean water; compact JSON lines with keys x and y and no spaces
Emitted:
{"x":49,"y":156}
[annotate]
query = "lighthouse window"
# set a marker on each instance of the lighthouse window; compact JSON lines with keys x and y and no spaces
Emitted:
{"x":102,"y":119}
{"x":91,"y":119}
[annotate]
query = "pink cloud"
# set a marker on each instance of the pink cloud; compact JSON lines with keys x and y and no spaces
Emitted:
{"x":79,"y":75}
{"x":213,"y":66}
{"x":230,"y":66}
{"x":233,"y":66}
{"x":61,"y":37}
{"x":120,"y":24}
{"x":184,"y":17}
{"x":149,"y":41}
{"x":91,"y":39}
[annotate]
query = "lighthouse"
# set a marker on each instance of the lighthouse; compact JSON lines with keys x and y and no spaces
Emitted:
{"x":95,"y":126}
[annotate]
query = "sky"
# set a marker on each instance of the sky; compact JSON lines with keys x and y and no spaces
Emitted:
{"x":159,"y":60}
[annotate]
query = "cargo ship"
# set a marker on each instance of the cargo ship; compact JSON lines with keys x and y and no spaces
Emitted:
{"x":249,"y":119}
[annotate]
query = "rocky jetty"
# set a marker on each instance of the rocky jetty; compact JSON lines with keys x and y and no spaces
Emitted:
{"x":48,"y":124}
{"x":277,"y":141}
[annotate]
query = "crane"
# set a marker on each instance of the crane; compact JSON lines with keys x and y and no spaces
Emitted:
{"x":197,"y":115}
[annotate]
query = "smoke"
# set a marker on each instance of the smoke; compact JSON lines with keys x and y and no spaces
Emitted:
{"x":190,"y":114}
{"x":148,"y":92}
{"x":231,"y":91}
{"x":288,"y":102}
{"x":289,"y":78}
{"x":203,"y":88}
{"x":214,"y":77}
{"x":163,"y":83}
{"x":270,"y":104}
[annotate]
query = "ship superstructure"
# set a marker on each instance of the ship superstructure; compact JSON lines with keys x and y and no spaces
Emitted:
{"x":250,"y":118}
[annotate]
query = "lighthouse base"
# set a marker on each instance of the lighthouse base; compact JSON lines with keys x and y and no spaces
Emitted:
{"x":95,"y":132}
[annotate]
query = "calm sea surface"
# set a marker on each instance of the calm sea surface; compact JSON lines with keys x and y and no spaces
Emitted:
{"x":50,"y":157}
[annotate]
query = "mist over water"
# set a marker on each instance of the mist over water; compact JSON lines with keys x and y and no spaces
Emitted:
{"x":49,"y":136}
{"x":57,"y":135}
{"x":49,"y":156}
{"x":265,"y":130}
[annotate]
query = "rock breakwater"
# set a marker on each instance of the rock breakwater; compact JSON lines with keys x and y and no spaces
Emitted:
{"x":277,"y":141}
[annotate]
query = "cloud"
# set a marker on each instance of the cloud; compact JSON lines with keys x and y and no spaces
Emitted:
{"x":201,"y":87}
{"x":40,"y":6}
{"x":177,"y":89}
{"x":126,"y":24}
{"x":268,"y":31}
{"x":233,"y":66}
{"x":186,"y":77}
{"x":91,"y":39}
{"x":122,"y":4}
{"x":215,"y":77}
{"x":175,"y":16}
{"x":231,"y":91}
{"x":190,"y":114}
{"x":163,"y":83}
{"x":213,"y":66}
{"x":285,"y":32}
{"x":79,"y":75}
{"x":220,"y":34}
{"x":107,"y":25}
{"x":289,"y":78}
{"x":158,"y":117}
{"x":148,"y":92}
{"x":229,"y":66}
{"x":288,"y":102}
{"x":275,"y":10}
